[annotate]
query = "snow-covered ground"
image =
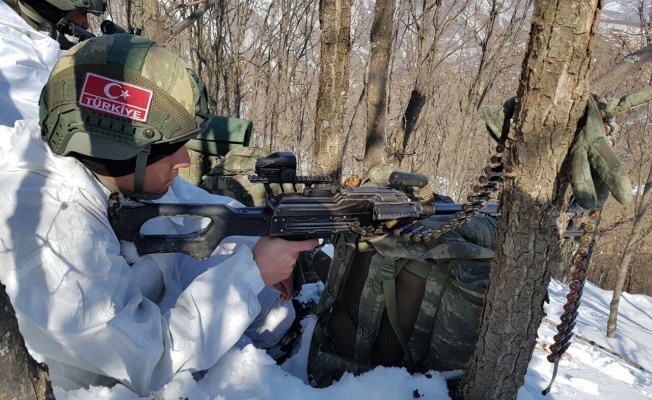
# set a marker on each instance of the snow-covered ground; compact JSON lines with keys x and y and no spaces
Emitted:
{"x":624,"y":10}
{"x":585,"y":372}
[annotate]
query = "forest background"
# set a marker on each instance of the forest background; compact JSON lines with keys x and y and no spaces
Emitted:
{"x":347,"y":84}
{"x":421,"y":110}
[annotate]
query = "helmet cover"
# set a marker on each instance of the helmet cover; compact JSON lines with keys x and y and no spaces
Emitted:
{"x":111,"y":96}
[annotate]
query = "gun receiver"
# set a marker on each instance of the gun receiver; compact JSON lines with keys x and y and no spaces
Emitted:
{"x":316,"y":213}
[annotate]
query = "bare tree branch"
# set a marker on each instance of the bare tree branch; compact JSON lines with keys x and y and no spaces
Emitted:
{"x":186,"y":22}
{"x":608,"y":82}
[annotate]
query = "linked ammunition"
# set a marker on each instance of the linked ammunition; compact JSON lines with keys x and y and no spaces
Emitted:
{"x":485,"y":189}
{"x":569,"y":316}
{"x":490,"y":179}
{"x":586,"y":239}
{"x":397,"y":232}
{"x":573,"y":296}
{"x":468,"y":207}
{"x":576,"y":285}
{"x":562,"y":336}
{"x":579,"y":274}
{"x":566,"y":327}
{"x":391,"y":224}
{"x":572,"y":305}
{"x":559,"y":345}
{"x":420,"y":235}
{"x":490,"y":170}
{"x":408,"y":235}
{"x":478,"y":197}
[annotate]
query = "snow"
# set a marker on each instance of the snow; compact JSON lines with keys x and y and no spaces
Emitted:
{"x":585,"y":372}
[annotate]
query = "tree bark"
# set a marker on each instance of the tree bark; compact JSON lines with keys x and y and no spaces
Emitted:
{"x":22,"y":376}
{"x":381,"y":43}
{"x":335,"y":21}
{"x":154,"y":24}
{"x":551,"y":99}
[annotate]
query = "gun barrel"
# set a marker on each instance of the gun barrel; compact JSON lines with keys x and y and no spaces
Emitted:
{"x":71,"y":29}
{"x":452,"y":208}
{"x":109,"y":27}
{"x":403,"y":179}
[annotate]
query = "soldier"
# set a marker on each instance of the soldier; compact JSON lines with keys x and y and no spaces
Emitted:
{"x":115,"y":115}
{"x":31,"y":42}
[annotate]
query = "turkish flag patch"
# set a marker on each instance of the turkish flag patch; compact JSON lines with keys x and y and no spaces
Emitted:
{"x":115,"y":97}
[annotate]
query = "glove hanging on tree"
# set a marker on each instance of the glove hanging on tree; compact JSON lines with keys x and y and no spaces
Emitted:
{"x":595,"y":170}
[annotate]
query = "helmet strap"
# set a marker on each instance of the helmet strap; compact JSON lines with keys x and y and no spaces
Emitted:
{"x":141,"y":165}
{"x":139,"y":180}
{"x":127,"y":193}
{"x":36,"y":21}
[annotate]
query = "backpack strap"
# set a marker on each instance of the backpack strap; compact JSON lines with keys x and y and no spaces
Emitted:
{"x":345,"y":246}
{"x":344,"y":250}
{"x":436,"y":279}
{"x":389,"y":285}
{"x":379,"y":295}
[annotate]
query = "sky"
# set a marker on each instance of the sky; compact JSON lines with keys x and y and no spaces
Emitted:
{"x":585,"y":372}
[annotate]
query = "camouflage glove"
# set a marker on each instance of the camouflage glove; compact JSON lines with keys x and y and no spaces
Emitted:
{"x":497,"y":120}
{"x":595,"y":170}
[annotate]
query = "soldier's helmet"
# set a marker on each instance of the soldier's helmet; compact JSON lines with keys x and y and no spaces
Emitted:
{"x":121,"y":102}
{"x":53,"y":11}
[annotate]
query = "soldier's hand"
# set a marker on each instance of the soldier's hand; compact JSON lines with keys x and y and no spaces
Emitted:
{"x":276,"y":257}
{"x":286,"y":288}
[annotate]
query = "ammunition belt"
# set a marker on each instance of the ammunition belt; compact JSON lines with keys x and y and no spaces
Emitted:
{"x":488,"y":191}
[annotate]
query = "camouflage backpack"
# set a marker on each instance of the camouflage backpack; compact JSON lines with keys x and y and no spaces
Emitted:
{"x":230,"y":178}
{"x":393,"y":302}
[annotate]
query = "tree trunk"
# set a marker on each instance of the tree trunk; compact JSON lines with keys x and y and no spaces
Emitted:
{"x":552,"y":97}
{"x":22,"y":377}
{"x":381,"y":43}
{"x":335,"y":21}
{"x":154,"y":26}
{"x":431,"y":23}
{"x":640,"y":213}
{"x":625,"y":261}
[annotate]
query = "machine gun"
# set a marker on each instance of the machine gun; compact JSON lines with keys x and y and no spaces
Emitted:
{"x":319,"y":211}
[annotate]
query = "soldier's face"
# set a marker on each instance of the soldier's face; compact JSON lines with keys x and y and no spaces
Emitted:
{"x":80,"y":18}
{"x":159,"y":176}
